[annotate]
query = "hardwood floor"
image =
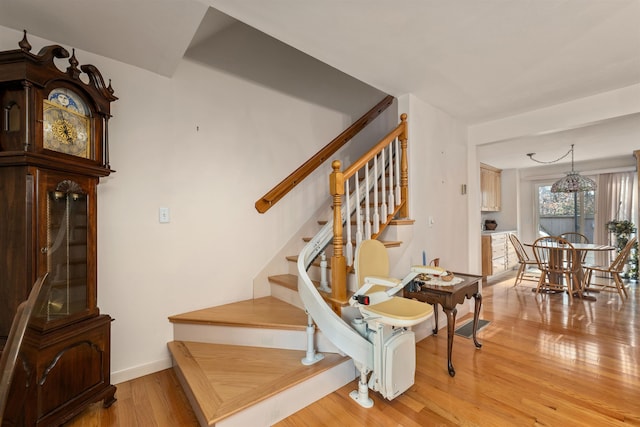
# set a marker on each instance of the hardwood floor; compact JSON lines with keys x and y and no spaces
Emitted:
{"x":152,"y":400}
{"x":543,"y":362}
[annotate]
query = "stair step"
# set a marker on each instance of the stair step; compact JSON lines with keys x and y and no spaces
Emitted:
{"x":290,"y":282}
{"x":386,"y":243}
{"x":315,"y":263}
{"x":402,"y":221}
{"x":266,"y":312}
{"x":238,"y":385}
{"x":267,"y":322}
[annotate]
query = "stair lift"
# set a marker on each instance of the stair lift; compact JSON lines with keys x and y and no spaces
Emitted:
{"x":385,"y":320}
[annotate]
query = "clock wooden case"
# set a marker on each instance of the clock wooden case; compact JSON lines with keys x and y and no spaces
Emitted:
{"x":53,"y":151}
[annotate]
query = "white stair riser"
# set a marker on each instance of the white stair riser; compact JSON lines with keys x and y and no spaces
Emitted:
{"x":287,"y":295}
{"x":247,"y":336}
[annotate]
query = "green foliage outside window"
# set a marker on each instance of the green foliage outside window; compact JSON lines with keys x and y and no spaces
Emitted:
{"x":623,"y":231}
{"x":562,"y":204}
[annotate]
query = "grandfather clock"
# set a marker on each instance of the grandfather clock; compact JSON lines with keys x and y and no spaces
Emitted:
{"x":53,"y":151}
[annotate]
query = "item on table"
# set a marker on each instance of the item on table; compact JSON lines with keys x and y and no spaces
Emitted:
{"x":448,"y":277}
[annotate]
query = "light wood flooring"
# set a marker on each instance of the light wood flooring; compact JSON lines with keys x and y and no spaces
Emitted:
{"x":543,"y":362}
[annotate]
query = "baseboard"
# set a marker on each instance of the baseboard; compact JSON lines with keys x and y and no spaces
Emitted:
{"x":118,"y":377}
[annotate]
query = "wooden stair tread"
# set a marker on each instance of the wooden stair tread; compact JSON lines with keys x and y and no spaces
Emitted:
{"x":266,"y":312}
{"x":386,"y":243}
{"x":401,"y":221}
{"x":225,"y":379}
{"x":290,"y":281}
{"x":316,"y":263}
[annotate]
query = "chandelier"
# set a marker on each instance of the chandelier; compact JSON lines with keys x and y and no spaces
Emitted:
{"x":573,"y":182}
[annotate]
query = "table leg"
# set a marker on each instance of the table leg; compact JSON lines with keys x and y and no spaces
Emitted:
{"x":476,"y":315}
{"x":451,"y":328}
{"x":435,"y":317}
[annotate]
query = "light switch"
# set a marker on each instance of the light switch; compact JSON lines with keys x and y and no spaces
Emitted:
{"x":163,"y":215}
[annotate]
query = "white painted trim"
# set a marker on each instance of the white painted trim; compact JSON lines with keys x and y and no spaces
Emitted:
{"x":118,"y":377}
{"x":255,"y":337}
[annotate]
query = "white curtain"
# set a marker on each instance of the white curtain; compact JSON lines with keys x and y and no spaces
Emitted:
{"x":615,"y":200}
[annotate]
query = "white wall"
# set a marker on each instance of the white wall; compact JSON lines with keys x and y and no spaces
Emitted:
{"x":241,"y":112}
{"x":437,"y":170}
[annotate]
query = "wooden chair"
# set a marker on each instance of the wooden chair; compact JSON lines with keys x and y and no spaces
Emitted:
{"x":523,"y":259}
{"x":573,"y":237}
{"x":559,"y":264}
{"x":14,"y":343}
{"x":614,"y":270}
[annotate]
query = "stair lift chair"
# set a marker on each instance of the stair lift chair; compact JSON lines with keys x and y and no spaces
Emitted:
{"x":384,"y":321}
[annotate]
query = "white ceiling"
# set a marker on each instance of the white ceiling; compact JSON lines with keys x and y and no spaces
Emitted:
{"x":477,"y":60}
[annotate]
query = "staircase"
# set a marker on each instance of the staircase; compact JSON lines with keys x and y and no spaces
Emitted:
{"x":240,"y":363}
{"x":248,"y":363}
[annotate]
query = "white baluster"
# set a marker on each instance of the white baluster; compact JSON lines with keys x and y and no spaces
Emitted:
{"x":398,"y":193}
{"x":383,"y":207}
{"x":367,"y":208}
{"x":349,"y":245}
{"x":392,"y":203}
{"x":376,"y":215}
{"x":358,"y":208}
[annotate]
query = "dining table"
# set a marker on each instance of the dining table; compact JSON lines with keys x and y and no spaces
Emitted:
{"x":581,"y":250}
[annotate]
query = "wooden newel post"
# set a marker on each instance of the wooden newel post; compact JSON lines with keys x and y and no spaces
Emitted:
{"x":338,"y":261}
{"x":404,"y":167}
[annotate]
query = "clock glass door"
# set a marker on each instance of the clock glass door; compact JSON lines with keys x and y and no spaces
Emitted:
{"x":66,"y":252}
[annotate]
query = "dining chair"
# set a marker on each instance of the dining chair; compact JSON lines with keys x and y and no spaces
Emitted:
{"x":559,"y":264}
{"x":613,"y":270}
{"x":524,"y":260}
{"x":574,"y":237}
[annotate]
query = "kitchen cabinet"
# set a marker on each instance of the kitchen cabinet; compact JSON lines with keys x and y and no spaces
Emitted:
{"x":490,"y":188}
{"x":498,"y":254}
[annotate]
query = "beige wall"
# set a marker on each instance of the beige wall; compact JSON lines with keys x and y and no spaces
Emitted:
{"x":240,"y":113}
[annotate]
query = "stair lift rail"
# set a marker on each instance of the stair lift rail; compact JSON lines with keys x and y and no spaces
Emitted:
{"x":351,"y":333}
{"x":341,"y":334}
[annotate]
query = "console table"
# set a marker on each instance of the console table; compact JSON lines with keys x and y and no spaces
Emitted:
{"x":449,"y":296}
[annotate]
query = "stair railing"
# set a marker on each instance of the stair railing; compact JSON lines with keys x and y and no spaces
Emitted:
{"x":388,"y":158}
{"x":367,"y":175}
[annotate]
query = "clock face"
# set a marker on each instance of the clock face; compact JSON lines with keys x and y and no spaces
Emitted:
{"x":66,"y":123}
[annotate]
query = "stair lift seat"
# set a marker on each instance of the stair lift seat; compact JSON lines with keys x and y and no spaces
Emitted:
{"x":385,"y":322}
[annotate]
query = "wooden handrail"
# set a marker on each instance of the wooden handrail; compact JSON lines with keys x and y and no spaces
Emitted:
{"x":399,"y":131}
{"x":279,"y":191}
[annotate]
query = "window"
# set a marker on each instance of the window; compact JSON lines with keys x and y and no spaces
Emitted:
{"x":559,"y":213}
